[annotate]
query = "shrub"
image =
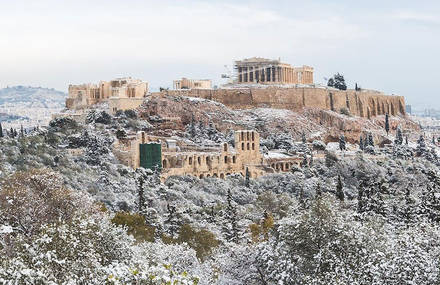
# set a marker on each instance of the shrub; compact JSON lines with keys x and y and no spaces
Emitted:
{"x":136,"y":226}
{"x":130,"y":114}
{"x":345,"y":111}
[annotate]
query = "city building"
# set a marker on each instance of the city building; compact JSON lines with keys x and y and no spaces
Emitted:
{"x":271,"y":71}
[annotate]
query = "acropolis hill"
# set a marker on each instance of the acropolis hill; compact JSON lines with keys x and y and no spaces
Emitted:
{"x":258,"y":82}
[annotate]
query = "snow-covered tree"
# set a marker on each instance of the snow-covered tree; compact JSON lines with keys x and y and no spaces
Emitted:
{"x":342,"y":144}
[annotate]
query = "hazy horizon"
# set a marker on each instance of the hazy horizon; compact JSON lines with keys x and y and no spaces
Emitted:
{"x":389,"y":46}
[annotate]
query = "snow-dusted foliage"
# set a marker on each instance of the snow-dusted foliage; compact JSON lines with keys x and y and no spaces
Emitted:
{"x":365,"y":217}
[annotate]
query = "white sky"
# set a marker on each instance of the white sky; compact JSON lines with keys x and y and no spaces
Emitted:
{"x":386,"y":45}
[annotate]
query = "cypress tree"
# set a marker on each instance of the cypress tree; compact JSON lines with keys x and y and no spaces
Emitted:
{"x":342,"y":145}
{"x":318,"y":190}
{"x":21,"y":131}
{"x":1,"y":130}
{"x":361,"y":143}
{"x":231,"y":229}
{"x":360,"y":198}
{"x":192,"y":129}
{"x":339,"y":189}
{"x":399,"y":137}
{"x":247,"y":180}
{"x":141,"y":193}
{"x":303,"y":137}
{"x":406,"y":140}
{"x":387,"y":123}
{"x":370,"y":139}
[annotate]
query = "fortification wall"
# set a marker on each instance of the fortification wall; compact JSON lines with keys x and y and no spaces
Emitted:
{"x":365,"y":103}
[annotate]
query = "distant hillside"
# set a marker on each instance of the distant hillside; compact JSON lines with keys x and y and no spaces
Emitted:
{"x":29,"y":106}
{"x":28,"y":96}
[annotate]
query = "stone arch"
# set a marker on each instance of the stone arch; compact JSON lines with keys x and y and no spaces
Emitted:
{"x":234,"y":159}
{"x":253,"y":135}
{"x":208,"y":175}
{"x":253,"y":146}
{"x":199,"y":160}
{"x":242,"y":146}
{"x":201,"y":176}
{"x":164,"y":163}
{"x":215,"y":175}
{"x":226,"y":159}
{"x":190,"y":160}
{"x":225,"y":147}
{"x":286,"y":166}
{"x":222,"y":175}
{"x":248,"y":146}
{"x":227,"y":174}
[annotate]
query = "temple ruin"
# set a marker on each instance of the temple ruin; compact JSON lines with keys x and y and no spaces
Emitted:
{"x":186,"y":83}
{"x":121,"y":93}
{"x":271,"y":71}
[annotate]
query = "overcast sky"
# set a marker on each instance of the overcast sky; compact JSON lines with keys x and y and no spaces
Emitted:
{"x":385,"y":45}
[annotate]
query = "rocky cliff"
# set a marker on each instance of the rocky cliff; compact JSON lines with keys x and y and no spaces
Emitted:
{"x":316,"y":123}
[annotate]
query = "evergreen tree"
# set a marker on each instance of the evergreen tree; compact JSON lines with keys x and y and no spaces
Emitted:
{"x":140,"y":182}
{"x":370,"y":139}
{"x":172,"y":222}
{"x":192,"y":127}
{"x":337,"y":81}
{"x":331,"y":82}
{"x":211,"y":130}
{"x":231,"y":227}
{"x":342,"y":144}
{"x":433,"y":140}
{"x":303,"y":137}
{"x":399,"y":137}
{"x":339,"y":189}
{"x":387,"y":123}
{"x":318,"y":190}
{"x":21,"y":131}
{"x":421,"y":146}
{"x":302,"y":198}
{"x":304,"y":162}
{"x":12,"y":132}
{"x":361,"y":143}
{"x":406,"y":139}
{"x":247,"y":178}
{"x":1,"y":130}
{"x":360,"y":207}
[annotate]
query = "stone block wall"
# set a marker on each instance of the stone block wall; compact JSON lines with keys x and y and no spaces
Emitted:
{"x":365,"y":103}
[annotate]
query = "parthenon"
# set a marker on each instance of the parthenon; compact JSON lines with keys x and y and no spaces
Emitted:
{"x":268,"y":71}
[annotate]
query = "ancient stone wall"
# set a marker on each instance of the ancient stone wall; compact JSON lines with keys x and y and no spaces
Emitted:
{"x":365,"y":103}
